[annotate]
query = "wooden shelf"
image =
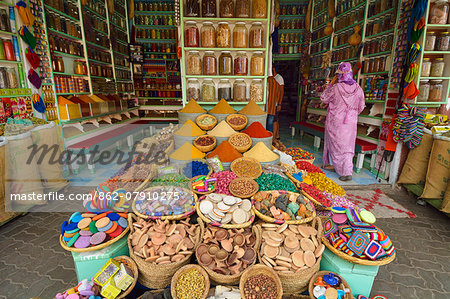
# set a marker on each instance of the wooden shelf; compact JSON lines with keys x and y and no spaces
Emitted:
{"x":99,"y":62}
{"x":380,"y":14}
{"x":387,"y":32}
{"x":95,"y":13}
{"x":62,"y":34}
{"x":68,"y":55}
{"x":385,"y":53}
{"x":224,"y":77}
{"x":98,"y":46}
{"x":97,"y":116}
{"x":67,"y":74}
{"x":60,"y":13}
{"x":229,"y":20}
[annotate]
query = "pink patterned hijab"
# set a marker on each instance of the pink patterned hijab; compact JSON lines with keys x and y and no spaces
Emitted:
{"x":345,"y":74}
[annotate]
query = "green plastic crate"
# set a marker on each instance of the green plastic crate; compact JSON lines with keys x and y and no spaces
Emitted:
{"x":359,"y":277}
{"x":87,"y":264}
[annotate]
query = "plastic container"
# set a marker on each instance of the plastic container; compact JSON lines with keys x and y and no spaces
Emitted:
{"x":424,"y":88}
{"x":208,"y":35}
{"x":223,"y":35}
{"x":208,"y":91}
{"x":257,"y":64}
{"x":240,"y":35}
{"x":437,"y":67}
{"x":194,"y":63}
{"x":438,"y":13}
{"x":256,"y":35}
{"x":209,"y":64}
{"x":225,"y":63}
{"x":436,"y":91}
{"x":239,"y":91}
{"x":256,"y":90}
{"x":224,"y":90}
{"x":426,"y":67}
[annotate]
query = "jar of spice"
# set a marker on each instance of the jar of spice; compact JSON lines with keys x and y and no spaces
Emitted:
{"x":224,"y":90}
{"x":239,"y":90}
{"x":257,"y":64}
{"x":430,"y":41}
{"x":223,"y":35}
{"x":443,"y":41}
{"x":256,"y":90}
{"x":226,"y":9}
{"x":191,"y":35}
{"x":209,"y":9}
{"x":208,"y":35}
{"x":259,"y":8}
{"x":225,"y":63}
{"x":438,"y":12}
{"x":241,"y":64}
{"x":242,"y":9}
{"x":194,"y":63}
{"x":256,"y":35}
{"x":436,"y":91}
{"x":426,"y":67}
{"x":209,"y":64}
{"x":193,"y":90}
{"x":240,"y":35}
{"x":437,"y":67}
{"x":12,"y":77}
{"x":208,"y":91}
{"x":424,"y":88}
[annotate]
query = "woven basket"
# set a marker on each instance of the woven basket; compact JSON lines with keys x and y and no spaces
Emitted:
{"x":134,"y":268}
{"x":257,"y":165}
{"x":237,"y":127}
{"x":241,"y":149}
{"x":322,"y":273}
{"x":153,"y":173}
{"x":297,"y":282}
{"x":200,"y":160}
{"x":278,"y":221}
{"x":206,"y":127}
{"x":247,"y":195}
{"x":208,"y":148}
{"x":181,"y":271}
{"x":166,"y":217}
{"x":208,"y":221}
{"x":229,"y":280}
{"x":305,"y":160}
{"x":317,"y":204}
{"x":260,"y":269}
{"x":155,"y":276}
{"x":202,"y":193}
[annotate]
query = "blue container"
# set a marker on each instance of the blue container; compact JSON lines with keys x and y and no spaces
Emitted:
{"x":359,"y":277}
{"x":87,"y":264}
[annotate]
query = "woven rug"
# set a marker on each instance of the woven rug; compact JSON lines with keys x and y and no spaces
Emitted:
{"x":381,"y":205}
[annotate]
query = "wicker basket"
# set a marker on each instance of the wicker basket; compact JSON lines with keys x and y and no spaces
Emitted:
{"x":237,"y":127}
{"x":155,"y":276}
{"x":317,"y":204}
{"x":200,"y":160}
{"x":260,"y":269}
{"x":208,"y":221}
{"x":181,"y":271}
{"x":165,"y":217}
{"x":153,"y":173}
{"x":208,"y":148}
{"x":322,"y":273}
{"x":235,"y":163}
{"x":247,"y":195}
{"x":241,"y":149}
{"x":221,"y":279}
{"x":134,"y":268}
{"x":278,"y":221}
{"x":305,"y":160}
{"x":202,"y":193}
{"x":206,"y":127}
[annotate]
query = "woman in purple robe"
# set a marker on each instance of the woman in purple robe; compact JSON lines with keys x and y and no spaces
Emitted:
{"x":345,"y":99}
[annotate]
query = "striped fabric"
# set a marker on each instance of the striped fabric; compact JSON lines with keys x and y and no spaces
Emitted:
{"x":276,"y":91}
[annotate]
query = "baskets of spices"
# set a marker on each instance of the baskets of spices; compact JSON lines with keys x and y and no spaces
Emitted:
{"x":206,"y":121}
{"x":259,"y":134}
{"x":190,"y":281}
{"x":299,"y":154}
{"x":237,"y":121}
{"x":246,"y":168}
{"x":225,"y":211}
{"x":260,"y":281}
{"x":243,"y":187}
{"x":329,"y":280}
{"x":320,"y":201}
{"x":205,"y":143}
{"x":203,"y":184}
{"x":241,"y":142}
{"x":196,"y":168}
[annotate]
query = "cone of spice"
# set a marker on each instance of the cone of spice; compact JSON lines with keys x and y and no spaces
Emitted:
{"x":187,"y":152}
{"x":189,"y":129}
{"x":192,"y":107}
{"x":261,"y":153}
{"x":223,"y":129}
{"x":256,"y":130}
{"x":222,"y":107}
{"x":225,"y":151}
{"x":252,"y":109}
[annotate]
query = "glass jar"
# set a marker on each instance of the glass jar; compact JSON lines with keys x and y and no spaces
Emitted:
{"x":12,"y":77}
{"x":223,"y":35}
{"x":208,"y":91}
{"x":438,"y":12}
{"x":191,"y":35}
{"x":225,"y":63}
{"x":209,"y":64}
{"x":424,"y":88}
{"x":257,"y":64}
{"x":430,"y":41}
{"x":256,"y":90}
{"x":226,"y":8}
{"x":242,"y":9}
{"x":256,"y":35}
{"x":239,"y":90}
{"x":208,"y":35}
{"x":240,"y":35}
{"x":436,"y":91}
{"x":259,"y":8}
{"x":78,"y":67}
{"x":194,"y":63}
{"x":193,"y":90}
{"x":443,"y":41}
{"x":224,"y":90}
{"x":426,"y":67}
{"x":209,"y":9}
{"x":241,"y":64}
{"x":437,"y":67}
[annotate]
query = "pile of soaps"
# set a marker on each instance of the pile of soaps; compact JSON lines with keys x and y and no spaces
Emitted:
{"x":353,"y":233}
{"x":225,"y":209}
{"x":283,"y":205}
{"x":90,"y":229}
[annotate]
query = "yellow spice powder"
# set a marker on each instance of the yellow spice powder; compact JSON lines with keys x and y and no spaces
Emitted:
{"x":187,"y":152}
{"x":222,"y":107}
{"x":252,"y":109}
{"x":261,"y":153}
{"x":223,"y":129}
{"x":189,"y":129}
{"x":192,"y":107}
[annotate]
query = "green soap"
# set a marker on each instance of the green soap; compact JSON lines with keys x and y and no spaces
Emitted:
{"x":73,"y":239}
{"x":293,"y":206}
{"x":92,"y":227}
{"x":73,"y":230}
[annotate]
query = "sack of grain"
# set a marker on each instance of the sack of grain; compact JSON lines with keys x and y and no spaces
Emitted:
{"x":438,"y":169}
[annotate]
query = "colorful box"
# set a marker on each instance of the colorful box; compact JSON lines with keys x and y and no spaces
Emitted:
{"x":110,"y":290}
{"x":107,"y":272}
{"x":124,"y":277}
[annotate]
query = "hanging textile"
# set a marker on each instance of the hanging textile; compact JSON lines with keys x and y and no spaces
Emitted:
{"x":409,"y":124}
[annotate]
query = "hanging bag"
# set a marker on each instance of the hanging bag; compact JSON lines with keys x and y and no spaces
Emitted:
{"x":27,"y":37}
{"x":25,"y":14}
{"x":34,"y":78}
{"x":32,"y":58}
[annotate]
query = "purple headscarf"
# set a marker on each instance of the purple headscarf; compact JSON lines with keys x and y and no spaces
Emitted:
{"x":345,"y":74}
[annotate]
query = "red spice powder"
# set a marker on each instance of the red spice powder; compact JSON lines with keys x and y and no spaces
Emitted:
{"x":225,"y":151}
{"x":256,"y":130}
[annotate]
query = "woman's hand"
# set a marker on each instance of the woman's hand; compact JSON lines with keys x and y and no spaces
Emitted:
{"x":334,"y":80}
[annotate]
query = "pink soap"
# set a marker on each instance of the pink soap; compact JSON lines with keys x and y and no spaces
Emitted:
{"x":339,"y":218}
